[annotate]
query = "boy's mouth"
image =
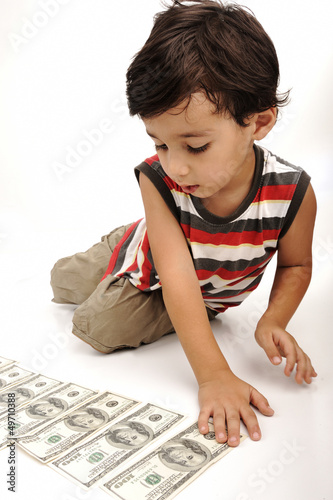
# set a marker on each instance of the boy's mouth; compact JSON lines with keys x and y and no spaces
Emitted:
{"x":190,"y":189}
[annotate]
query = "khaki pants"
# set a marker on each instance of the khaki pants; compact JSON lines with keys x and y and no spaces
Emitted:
{"x":112,"y":313}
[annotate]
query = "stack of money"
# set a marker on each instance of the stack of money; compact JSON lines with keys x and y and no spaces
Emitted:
{"x":101,"y":438}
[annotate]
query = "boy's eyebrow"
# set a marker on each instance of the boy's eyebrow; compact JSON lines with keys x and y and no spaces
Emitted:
{"x":200,"y":133}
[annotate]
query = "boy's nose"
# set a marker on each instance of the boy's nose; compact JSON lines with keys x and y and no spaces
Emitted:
{"x":177,"y":168}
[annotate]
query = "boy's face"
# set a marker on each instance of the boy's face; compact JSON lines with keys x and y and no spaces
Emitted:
{"x":207,"y":154}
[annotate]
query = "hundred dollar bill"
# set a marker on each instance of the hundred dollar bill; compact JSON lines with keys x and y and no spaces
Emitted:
{"x":62,"y":434}
{"x":29,"y":419}
{"x":10,"y":375}
{"x":89,"y":463}
{"x":167,"y":470}
{"x":5,"y":362}
{"x":25,"y":392}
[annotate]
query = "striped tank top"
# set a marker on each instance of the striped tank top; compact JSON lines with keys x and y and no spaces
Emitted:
{"x":230,"y":254}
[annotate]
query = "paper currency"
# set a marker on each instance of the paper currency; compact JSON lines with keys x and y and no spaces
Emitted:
{"x":5,"y":362}
{"x":164,"y":472}
{"x":40,"y":412}
{"x":10,"y":375}
{"x":27,"y":391}
{"x":62,"y":434}
{"x":89,"y":463}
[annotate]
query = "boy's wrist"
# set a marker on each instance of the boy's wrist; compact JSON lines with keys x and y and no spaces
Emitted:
{"x":210,"y":374}
{"x":273,"y":317}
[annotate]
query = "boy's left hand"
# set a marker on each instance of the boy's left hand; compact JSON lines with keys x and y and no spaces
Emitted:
{"x":276,"y":342}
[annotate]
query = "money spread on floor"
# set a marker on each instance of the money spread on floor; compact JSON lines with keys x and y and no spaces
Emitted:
{"x":103,"y":439}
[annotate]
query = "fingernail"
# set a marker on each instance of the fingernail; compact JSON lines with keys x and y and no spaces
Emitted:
{"x":233,"y":439}
{"x":256,"y":435}
{"x":276,"y":360}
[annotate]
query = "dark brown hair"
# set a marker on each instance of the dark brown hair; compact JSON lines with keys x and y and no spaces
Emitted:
{"x":203,"y":45}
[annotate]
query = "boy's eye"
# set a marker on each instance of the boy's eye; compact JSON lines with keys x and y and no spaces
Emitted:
{"x":198,"y":150}
{"x":194,"y":151}
{"x":162,"y":147}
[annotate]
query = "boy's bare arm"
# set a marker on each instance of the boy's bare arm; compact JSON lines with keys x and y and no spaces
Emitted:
{"x":181,"y":290}
{"x":221,"y":394}
{"x":291,"y":281}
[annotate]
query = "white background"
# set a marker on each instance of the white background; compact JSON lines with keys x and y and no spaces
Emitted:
{"x":63,"y":75}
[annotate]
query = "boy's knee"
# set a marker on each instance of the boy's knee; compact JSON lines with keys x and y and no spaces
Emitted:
{"x":61,"y":283}
{"x":74,"y":278}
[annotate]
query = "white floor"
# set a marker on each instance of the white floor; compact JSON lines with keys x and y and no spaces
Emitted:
{"x":293,"y":459}
{"x":58,"y":86}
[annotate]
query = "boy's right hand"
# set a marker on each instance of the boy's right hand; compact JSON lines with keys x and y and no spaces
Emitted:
{"x":227,"y":399}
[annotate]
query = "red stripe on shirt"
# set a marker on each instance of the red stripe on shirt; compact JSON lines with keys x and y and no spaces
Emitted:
{"x":117,"y":248}
{"x":277,"y":192}
{"x":231,"y":238}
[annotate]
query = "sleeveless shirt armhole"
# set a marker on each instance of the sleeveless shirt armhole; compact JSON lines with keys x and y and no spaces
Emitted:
{"x":160,"y":185}
{"x":296,"y":202}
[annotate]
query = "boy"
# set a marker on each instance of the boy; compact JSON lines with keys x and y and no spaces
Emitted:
{"x":217,"y":208}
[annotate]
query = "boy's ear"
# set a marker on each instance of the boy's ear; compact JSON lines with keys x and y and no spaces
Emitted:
{"x":264,"y":122}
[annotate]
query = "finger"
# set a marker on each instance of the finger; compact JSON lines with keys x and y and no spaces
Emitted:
{"x":220,"y":427}
{"x":291,"y":358}
{"x":260,"y":402}
{"x":310,"y":374}
{"x":233,"y":426}
{"x":271,"y":350}
{"x":305,"y":370}
{"x":251,"y":422}
{"x":204,"y":415}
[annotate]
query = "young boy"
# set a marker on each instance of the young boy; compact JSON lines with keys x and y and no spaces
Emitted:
{"x":217,"y":208}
